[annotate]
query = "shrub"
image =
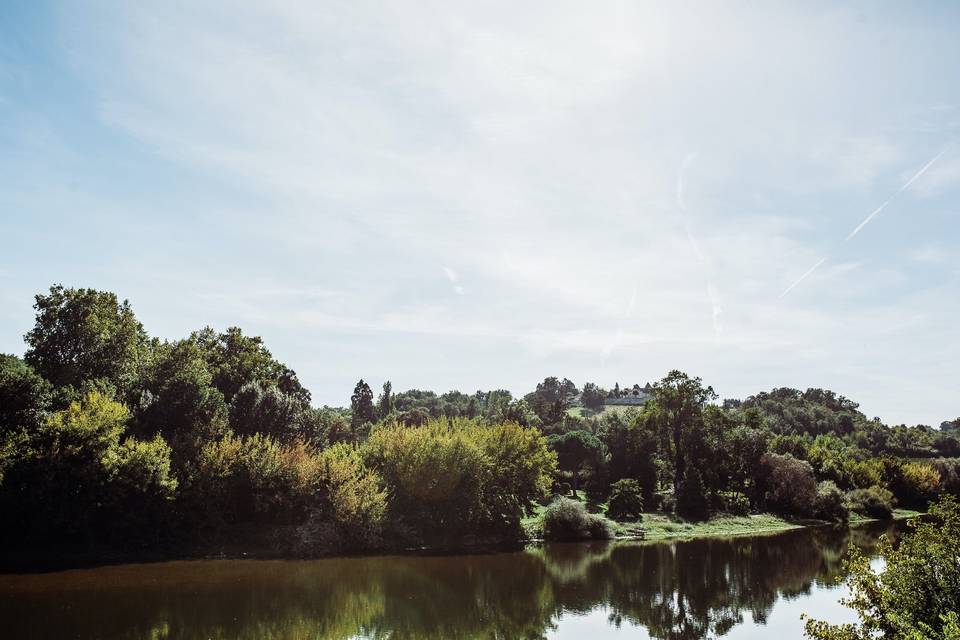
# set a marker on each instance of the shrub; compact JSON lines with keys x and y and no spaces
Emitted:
{"x":567,"y":519}
{"x":916,"y":592}
{"x":626,"y":500}
{"x":830,"y":502}
{"x":790,"y":486}
{"x":734,"y":503}
{"x":691,"y":497}
{"x":875,"y":502}
{"x":915,"y":483}
{"x":455,"y":478}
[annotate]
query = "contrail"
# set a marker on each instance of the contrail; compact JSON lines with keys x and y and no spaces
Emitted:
{"x":890,"y":199}
{"x":804,"y":276}
{"x":870,"y":217}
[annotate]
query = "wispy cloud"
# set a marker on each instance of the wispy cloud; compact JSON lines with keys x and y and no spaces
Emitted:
{"x":373,"y":187}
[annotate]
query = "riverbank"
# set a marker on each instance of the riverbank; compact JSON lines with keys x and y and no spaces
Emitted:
{"x":666,"y":526}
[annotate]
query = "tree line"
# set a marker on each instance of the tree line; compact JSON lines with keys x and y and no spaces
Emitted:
{"x":109,"y":436}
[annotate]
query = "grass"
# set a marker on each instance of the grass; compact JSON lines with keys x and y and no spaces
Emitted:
{"x":662,"y":526}
{"x":657,"y":526}
{"x":584,"y":412}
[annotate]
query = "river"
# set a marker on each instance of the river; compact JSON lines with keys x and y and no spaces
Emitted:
{"x":746,"y":587}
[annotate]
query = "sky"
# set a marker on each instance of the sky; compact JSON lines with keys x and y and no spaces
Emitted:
{"x":479,"y":195}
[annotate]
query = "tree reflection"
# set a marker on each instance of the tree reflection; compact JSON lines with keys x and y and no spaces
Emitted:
{"x":677,"y":591}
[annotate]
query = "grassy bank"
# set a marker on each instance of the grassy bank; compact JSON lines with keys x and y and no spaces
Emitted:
{"x":663,"y":526}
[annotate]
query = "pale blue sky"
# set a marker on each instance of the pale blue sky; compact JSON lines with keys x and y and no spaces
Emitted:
{"x":480,"y":195}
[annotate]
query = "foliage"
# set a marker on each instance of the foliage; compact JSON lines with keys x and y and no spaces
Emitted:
{"x":593,"y":396}
{"x":566,"y":519}
{"x":830,"y":503}
{"x":790,"y":487}
{"x":734,"y":503}
{"x":85,"y":334}
{"x":631,"y":440}
{"x":916,"y":595}
{"x":551,"y":399}
{"x":692,"y":497}
{"x":458,"y":476}
{"x":234,"y":359}
{"x":626,"y":500}
{"x":875,"y":502}
{"x":268,"y":410}
{"x":576,"y":450}
{"x":75,"y":479}
{"x":361,"y":406}
{"x":24,"y":396}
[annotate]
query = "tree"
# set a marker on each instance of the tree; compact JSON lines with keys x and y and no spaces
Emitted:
{"x":789,"y":485}
{"x":267,"y":410}
{"x":85,"y":334}
{"x":575,"y":450}
{"x":81,"y":482}
{"x":626,"y":500}
{"x":631,"y":440}
{"x":234,"y":359}
{"x":177,"y":400}
{"x":385,"y":403}
{"x":24,"y":396}
{"x":361,"y":405}
{"x":916,"y":593}
{"x":691,"y":495}
{"x":681,"y":400}
{"x":551,"y":399}
{"x":593,"y":396}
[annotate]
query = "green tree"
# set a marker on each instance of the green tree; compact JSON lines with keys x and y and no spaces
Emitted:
{"x":267,"y":410}
{"x":85,"y":334}
{"x":24,"y":396}
{"x":385,"y":402}
{"x":626,"y":500}
{"x":178,"y":400}
{"x":234,"y":359}
{"x":631,"y":440}
{"x":576,"y":450}
{"x":552,"y":398}
{"x":361,"y":406}
{"x":916,"y":595}
{"x":680,"y":400}
{"x":593,"y":396}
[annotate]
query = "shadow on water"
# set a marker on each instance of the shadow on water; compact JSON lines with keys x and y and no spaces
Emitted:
{"x":674,"y":590}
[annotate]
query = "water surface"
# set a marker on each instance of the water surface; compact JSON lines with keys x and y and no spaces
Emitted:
{"x":747,"y":587}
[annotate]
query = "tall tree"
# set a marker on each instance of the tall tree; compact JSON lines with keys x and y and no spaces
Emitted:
{"x":361,"y":405}
{"x":85,"y":334}
{"x":235,"y":359}
{"x":385,"y":402}
{"x":680,"y":400}
{"x":576,"y":450}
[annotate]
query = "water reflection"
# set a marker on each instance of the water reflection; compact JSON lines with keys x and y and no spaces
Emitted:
{"x":675,"y":591}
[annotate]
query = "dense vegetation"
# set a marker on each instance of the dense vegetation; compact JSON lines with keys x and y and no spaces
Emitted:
{"x":916,"y":595}
{"x":109,"y":437}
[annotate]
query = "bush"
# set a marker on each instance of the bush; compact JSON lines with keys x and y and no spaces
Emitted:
{"x":691,"y":497}
{"x":734,"y":503}
{"x":567,"y":519}
{"x":453,"y":478}
{"x":829,"y":504}
{"x":789,"y":484}
{"x":875,"y":502}
{"x":626,"y":500}
{"x":916,"y":592}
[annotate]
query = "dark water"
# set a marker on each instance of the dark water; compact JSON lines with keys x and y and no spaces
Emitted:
{"x":749,"y":587}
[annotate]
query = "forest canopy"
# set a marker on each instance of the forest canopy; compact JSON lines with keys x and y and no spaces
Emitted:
{"x":109,"y":436}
